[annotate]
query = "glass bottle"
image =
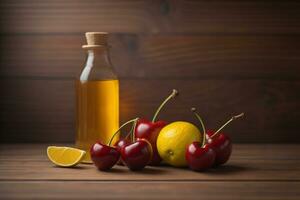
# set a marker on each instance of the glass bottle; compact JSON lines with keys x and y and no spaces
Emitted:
{"x":97,"y":95}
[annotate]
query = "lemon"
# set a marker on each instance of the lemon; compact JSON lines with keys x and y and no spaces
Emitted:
{"x":173,"y":139}
{"x":65,"y":156}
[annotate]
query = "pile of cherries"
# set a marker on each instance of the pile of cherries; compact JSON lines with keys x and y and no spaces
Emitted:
{"x":141,"y":149}
{"x":135,"y":153}
{"x":214,"y":150}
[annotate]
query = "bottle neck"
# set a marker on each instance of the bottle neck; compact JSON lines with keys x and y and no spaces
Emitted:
{"x":98,"y":65}
{"x":99,"y":55}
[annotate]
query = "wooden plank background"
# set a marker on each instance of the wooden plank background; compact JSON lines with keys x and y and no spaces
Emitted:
{"x":225,"y":57}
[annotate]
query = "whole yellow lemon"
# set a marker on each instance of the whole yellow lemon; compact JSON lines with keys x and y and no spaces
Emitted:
{"x":173,"y":139}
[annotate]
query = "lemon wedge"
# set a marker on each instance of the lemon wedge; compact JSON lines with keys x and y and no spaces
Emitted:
{"x":65,"y":156}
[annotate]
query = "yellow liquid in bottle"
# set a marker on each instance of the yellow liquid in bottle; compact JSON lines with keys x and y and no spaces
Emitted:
{"x":97,"y":113}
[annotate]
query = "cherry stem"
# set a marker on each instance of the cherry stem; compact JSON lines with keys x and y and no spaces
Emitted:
{"x":172,"y":95}
{"x":202,"y":125}
{"x":133,"y":130}
{"x":126,"y":123}
{"x":232,"y":118}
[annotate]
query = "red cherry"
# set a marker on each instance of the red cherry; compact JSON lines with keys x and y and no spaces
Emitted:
{"x":198,"y":155}
{"x":137,"y":155}
{"x":103,"y":156}
{"x":149,"y":131}
{"x":199,"y":158}
{"x":209,"y":133}
{"x":222,"y":145}
{"x":119,"y":145}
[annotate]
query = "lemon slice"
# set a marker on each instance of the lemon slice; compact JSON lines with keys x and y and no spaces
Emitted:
{"x":65,"y":156}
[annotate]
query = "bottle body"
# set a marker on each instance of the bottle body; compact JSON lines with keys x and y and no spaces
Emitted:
{"x":97,"y":112}
{"x":97,"y":101}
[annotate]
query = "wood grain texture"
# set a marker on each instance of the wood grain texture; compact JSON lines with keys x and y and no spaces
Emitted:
{"x":254,"y":171}
{"x":33,"y":110}
{"x":224,"y":56}
{"x":156,"y":56}
{"x":43,"y":110}
{"x":150,"y":190}
{"x":157,"y":16}
{"x":248,"y":163}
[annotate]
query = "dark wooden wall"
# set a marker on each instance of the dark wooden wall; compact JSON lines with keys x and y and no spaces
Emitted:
{"x":224,"y":56}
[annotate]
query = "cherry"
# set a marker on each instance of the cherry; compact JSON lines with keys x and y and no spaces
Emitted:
{"x":137,"y":154}
{"x":105,"y":156}
{"x":199,"y":156}
{"x":221,"y":143}
{"x":208,"y":134}
{"x":149,"y":130}
{"x":119,"y":145}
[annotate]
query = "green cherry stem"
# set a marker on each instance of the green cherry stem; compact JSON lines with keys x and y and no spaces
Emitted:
{"x":231,"y":119}
{"x":133,"y":130}
{"x":126,"y":123}
{"x":172,"y":95}
{"x":202,"y":125}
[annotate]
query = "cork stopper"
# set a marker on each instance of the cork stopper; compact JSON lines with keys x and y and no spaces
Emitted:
{"x":95,"y":39}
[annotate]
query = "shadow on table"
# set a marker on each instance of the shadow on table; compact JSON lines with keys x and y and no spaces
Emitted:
{"x":77,"y":167}
{"x":162,"y":169}
{"x":227,"y":169}
{"x":115,"y":170}
{"x":152,"y":170}
{"x":223,"y":169}
{"x":146,"y":170}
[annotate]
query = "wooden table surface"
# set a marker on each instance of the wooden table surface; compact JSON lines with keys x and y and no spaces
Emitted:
{"x":255,"y":171}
